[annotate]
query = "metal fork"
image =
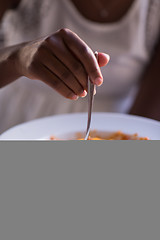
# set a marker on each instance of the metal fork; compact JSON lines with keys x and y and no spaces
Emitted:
{"x":91,"y":90}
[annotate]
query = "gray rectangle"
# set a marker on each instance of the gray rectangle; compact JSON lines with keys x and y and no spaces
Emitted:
{"x":80,"y":190}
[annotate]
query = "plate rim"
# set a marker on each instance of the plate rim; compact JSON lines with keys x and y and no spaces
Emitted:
{"x":109,"y":114}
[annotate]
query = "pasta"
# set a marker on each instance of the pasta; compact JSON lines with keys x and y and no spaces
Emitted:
{"x":112,"y":136}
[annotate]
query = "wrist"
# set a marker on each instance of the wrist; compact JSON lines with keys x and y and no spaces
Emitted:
{"x":14,"y":62}
{"x":9,"y":65}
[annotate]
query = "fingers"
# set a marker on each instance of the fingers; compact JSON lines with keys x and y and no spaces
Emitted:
{"x":103,"y":59}
{"x":62,"y":72}
{"x":84,"y":54}
{"x":77,"y":57}
{"x":64,"y":62}
{"x":53,"y":81}
{"x":64,"y":55}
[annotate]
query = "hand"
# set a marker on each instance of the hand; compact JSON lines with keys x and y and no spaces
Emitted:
{"x":63,"y":61}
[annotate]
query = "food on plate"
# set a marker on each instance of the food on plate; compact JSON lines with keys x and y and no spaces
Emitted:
{"x":94,"y":135}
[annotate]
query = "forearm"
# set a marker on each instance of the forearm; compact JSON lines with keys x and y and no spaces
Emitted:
{"x":62,"y":60}
{"x":9,"y":69}
{"x":147,"y":102}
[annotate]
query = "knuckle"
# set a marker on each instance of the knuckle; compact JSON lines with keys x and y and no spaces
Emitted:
{"x":85,"y":51}
{"x":48,"y":39}
{"x":94,"y":71}
{"x":41,"y":49}
{"x":64,"y":31}
{"x":54,"y":39}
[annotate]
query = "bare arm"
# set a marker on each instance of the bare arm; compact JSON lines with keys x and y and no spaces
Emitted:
{"x":147,"y":102}
{"x":61,"y":60}
{"x":9,"y":69}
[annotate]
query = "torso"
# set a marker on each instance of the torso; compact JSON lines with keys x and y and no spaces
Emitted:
{"x":125,"y":40}
{"x":115,"y":9}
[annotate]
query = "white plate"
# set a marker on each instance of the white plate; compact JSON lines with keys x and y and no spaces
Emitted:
{"x":63,"y":126}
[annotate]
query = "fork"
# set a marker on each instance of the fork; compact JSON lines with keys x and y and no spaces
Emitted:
{"x":91,"y":91}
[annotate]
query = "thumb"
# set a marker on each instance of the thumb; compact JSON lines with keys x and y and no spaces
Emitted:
{"x":103,"y":59}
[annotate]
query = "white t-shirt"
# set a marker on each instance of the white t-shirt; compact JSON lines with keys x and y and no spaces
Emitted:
{"x":129,"y":42}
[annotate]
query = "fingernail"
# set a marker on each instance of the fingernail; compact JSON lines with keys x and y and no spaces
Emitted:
{"x":74,"y":97}
{"x":84,"y":94}
{"x":98,"y":81}
{"x":107,"y":56}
